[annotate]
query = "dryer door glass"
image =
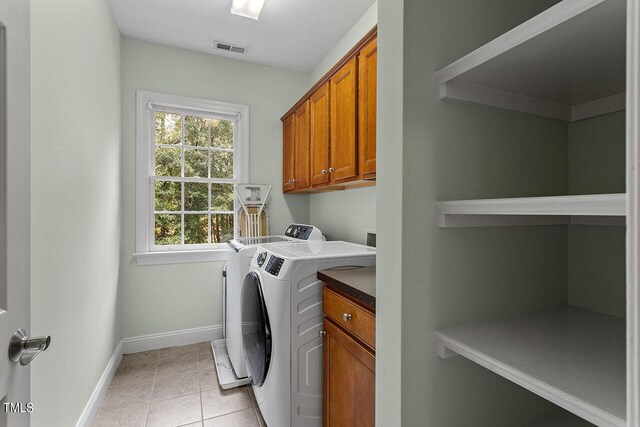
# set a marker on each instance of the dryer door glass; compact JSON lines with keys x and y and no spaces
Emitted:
{"x":256,"y":331}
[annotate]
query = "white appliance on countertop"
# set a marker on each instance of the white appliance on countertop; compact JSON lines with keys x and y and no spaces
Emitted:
{"x":281,"y":324}
{"x":228,"y":352}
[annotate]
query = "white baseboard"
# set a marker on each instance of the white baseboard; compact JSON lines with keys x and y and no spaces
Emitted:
{"x":138,"y":344}
{"x":171,"y":339}
{"x":91,"y":409}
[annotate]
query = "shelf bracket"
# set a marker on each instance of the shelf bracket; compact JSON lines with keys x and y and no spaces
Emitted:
{"x":445,"y":352}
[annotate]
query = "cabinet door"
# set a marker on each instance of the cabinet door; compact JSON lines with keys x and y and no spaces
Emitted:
{"x":319,"y":106}
{"x":301,"y":146}
{"x":344,"y":145}
{"x":349,"y":380}
{"x":287,"y":154}
{"x":367,"y":73}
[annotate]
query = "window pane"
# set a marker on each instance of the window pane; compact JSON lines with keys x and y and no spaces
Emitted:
{"x":195,"y":163}
{"x":168,"y":230}
{"x":196,"y":196}
{"x":167,"y":161}
{"x":196,"y":131}
{"x":222,"y":197}
{"x":168,"y":196}
{"x":195,"y":229}
{"x":221,"y":164}
{"x":221,"y":228}
{"x":221,"y":133}
{"x":168,"y":128}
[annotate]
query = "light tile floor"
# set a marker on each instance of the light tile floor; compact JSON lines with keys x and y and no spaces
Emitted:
{"x":173,"y":387}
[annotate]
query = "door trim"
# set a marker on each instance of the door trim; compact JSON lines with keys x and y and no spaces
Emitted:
{"x":633,"y":213}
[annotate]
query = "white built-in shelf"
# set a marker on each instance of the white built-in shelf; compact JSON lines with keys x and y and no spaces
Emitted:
{"x":597,"y":209}
{"x":568,"y":63}
{"x":572,"y":357}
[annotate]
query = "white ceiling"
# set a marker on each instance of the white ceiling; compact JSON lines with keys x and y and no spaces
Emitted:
{"x":293,"y":34}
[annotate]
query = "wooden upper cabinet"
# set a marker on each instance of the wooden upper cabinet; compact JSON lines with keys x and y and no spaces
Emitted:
{"x":343,"y":142}
{"x":367,"y":111}
{"x":287,"y":154}
{"x":301,"y":147}
{"x":319,"y":125}
{"x":330,"y":134}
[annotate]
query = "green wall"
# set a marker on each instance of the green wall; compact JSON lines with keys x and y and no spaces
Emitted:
{"x":75,"y":87}
{"x":172,"y":297}
{"x":447,"y":150}
{"x":344,"y":215}
{"x":597,"y":276}
{"x":389,"y":209}
{"x":353,"y":36}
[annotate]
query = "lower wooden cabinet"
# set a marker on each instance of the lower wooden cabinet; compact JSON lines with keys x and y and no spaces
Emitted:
{"x":349,"y":370}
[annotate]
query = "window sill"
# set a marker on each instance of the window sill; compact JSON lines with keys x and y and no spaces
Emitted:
{"x":180,"y":257}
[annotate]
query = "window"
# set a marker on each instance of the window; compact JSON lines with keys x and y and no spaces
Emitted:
{"x":190,"y":153}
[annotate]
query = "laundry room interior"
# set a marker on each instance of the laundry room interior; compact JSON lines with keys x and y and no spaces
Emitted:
{"x":294,"y":213}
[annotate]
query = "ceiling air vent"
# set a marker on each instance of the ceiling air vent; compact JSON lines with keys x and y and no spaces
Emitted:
{"x":230,"y":47}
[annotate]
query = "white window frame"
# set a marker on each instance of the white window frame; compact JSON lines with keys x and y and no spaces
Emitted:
{"x":147,"y":253}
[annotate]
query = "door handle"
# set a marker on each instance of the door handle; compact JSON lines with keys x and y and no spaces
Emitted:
{"x":24,"y":349}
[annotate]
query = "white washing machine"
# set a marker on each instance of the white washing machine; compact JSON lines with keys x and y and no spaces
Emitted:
{"x":281,"y":324}
{"x":229,"y":352}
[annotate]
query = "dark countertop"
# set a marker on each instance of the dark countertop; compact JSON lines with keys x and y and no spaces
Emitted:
{"x":358,"y":283}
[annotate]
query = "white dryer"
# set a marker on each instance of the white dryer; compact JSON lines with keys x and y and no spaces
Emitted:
{"x":229,"y":351}
{"x":281,"y":324}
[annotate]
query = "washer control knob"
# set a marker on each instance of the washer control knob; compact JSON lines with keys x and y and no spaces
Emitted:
{"x":262,"y":257}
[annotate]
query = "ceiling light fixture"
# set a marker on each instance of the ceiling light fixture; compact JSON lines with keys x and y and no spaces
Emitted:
{"x":247,"y":8}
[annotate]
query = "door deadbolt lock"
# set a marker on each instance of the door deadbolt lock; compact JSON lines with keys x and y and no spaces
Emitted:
{"x":24,"y":349}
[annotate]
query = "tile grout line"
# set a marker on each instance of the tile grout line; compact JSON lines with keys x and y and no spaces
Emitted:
{"x":224,"y":415}
{"x":201,"y":403}
{"x":153,"y":386}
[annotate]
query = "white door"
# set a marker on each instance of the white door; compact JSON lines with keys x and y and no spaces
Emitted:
{"x":14,"y":204}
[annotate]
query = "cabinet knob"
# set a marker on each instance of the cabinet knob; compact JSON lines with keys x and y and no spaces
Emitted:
{"x":331,"y":170}
{"x":346,"y":317}
{"x":323,"y":333}
{"x":291,"y":181}
{"x":324,"y":171}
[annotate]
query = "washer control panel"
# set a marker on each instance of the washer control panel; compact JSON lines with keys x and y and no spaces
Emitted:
{"x":297,"y":231}
{"x":274,"y":265}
